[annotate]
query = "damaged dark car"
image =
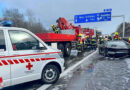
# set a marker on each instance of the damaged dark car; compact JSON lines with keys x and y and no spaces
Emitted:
{"x":115,"y":49}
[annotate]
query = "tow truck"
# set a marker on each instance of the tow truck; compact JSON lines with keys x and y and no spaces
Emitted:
{"x":24,"y":57}
{"x":67,"y":38}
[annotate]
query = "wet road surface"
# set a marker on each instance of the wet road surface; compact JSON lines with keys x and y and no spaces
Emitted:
{"x":101,"y":74}
{"x":74,"y":58}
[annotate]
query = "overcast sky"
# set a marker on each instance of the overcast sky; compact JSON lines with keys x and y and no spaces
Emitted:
{"x":50,"y":10}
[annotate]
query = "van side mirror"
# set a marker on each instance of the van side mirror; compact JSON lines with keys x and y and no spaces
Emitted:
{"x":41,"y":47}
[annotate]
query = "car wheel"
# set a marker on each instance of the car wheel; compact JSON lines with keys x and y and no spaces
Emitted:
{"x":50,"y":74}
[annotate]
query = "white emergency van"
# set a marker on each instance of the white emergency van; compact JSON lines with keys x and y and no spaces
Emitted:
{"x":24,"y":57}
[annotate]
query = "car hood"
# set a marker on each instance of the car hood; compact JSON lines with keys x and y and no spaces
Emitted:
{"x":117,"y":47}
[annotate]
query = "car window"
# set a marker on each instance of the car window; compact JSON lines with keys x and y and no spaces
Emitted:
{"x":23,"y":41}
{"x":2,"y":41}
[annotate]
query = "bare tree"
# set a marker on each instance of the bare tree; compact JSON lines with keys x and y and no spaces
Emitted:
{"x":127,"y":29}
{"x":24,"y":21}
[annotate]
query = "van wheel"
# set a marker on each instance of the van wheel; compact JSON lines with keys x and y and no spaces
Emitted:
{"x":67,"y":49}
{"x":61,"y":47}
{"x":50,"y":74}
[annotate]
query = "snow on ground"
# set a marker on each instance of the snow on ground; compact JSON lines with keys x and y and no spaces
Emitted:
{"x":74,"y":52}
{"x":128,"y":62}
{"x":101,"y":74}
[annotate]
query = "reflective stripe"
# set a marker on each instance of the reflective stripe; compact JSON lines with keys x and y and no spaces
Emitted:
{"x":15,"y":61}
{"x":1,"y":80}
{"x":29,"y":54}
{"x":4,"y":62}
{"x":10,"y":62}
{"x":32,"y":60}
{"x":21,"y":60}
{"x":0,"y":64}
{"x":42,"y":59}
{"x":27,"y":60}
{"x":37,"y":59}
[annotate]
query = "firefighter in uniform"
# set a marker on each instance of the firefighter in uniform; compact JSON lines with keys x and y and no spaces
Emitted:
{"x":79,"y":43}
{"x":94,"y":43}
{"x":86,"y":41}
{"x":116,"y":37}
{"x":129,"y":40}
{"x":101,"y":40}
{"x":55,"y":29}
{"x":89,"y":42}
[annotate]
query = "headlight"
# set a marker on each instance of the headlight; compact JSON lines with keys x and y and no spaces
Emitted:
{"x":61,"y":55}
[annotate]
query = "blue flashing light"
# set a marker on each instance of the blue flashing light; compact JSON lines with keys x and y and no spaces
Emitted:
{"x":7,"y":23}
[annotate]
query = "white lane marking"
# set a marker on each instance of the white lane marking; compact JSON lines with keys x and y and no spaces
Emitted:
{"x":44,"y":87}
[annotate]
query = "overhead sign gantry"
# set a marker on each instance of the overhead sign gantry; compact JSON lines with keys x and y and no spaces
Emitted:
{"x":94,"y":17}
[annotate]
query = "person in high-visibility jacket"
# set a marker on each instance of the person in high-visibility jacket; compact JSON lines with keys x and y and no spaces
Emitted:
{"x":116,"y":37}
{"x":101,"y":40}
{"x":94,"y":43}
{"x":89,"y":39}
{"x":79,"y":43}
{"x":129,"y":40}
{"x":86,"y":41}
{"x":55,"y":29}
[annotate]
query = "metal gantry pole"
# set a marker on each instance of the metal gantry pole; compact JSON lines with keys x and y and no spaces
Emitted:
{"x":123,"y":34}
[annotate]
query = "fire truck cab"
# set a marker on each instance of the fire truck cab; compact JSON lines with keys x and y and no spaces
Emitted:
{"x":24,"y":57}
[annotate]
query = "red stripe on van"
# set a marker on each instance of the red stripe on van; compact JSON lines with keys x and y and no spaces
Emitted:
{"x":29,"y":54}
{"x":16,"y":61}
{"x":27,"y":60}
{"x":32,"y":60}
{"x":10,"y":61}
{"x":21,"y":60}
{"x":1,"y":80}
{"x":43,"y":59}
{"x":4,"y":62}
{"x":37,"y":59}
{"x":0,"y":64}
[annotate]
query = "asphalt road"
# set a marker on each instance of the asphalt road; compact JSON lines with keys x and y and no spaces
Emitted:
{"x":73,"y":59}
{"x":101,"y":74}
